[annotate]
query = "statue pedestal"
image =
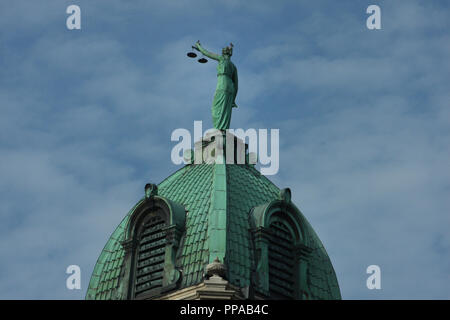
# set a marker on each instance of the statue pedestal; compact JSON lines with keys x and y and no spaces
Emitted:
{"x":218,"y":146}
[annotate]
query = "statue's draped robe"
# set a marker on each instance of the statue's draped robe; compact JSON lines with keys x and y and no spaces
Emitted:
{"x":225,"y":93}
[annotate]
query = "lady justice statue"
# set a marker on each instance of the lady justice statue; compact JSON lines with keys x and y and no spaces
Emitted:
{"x":227,"y":86}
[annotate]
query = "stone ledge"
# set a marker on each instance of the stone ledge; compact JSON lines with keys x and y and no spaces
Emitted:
{"x":215,"y":288}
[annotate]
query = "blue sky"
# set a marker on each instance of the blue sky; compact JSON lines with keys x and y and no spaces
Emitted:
{"x":364,"y":119}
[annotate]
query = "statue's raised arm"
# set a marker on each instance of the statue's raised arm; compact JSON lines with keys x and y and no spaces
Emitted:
{"x":210,"y":55}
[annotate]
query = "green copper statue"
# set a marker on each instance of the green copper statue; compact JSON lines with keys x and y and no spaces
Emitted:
{"x":227,"y":86}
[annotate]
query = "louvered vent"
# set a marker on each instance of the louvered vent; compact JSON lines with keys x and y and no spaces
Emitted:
{"x":150,"y":256}
{"x":281,"y":262}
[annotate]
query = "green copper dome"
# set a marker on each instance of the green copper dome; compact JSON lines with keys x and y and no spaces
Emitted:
{"x":216,"y":228}
{"x":223,"y":204}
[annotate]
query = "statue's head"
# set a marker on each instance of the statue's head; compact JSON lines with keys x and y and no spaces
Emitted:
{"x":228,"y":50}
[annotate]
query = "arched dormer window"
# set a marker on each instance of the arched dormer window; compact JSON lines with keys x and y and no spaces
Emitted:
{"x":153,"y":234}
{"x":282,"y":263}
{"x":281,"y":249}
{"x":150,"y":253}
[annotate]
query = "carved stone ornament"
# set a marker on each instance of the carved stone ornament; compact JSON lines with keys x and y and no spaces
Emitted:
{"x":216,"y":268}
